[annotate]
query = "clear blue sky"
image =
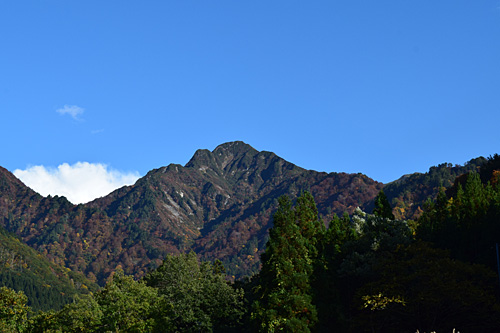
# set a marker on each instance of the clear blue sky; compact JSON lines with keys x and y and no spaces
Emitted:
{"x":379,"y":87}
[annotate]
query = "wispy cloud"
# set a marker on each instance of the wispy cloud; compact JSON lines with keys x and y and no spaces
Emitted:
{"x":72,"y":110}
{"x":79,"y":183}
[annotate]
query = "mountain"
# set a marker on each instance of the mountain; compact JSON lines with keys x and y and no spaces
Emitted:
{"x":219,"y":204}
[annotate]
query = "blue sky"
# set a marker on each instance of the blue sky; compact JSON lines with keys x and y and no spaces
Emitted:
{"x":384,"y":88}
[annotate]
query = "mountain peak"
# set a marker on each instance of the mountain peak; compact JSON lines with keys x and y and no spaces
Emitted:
{"x":221,"y":156}
{"x":234,"y":148}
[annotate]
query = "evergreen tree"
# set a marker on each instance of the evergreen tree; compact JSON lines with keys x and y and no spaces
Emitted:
{"x":466,"y":222}
{"x":382,"y":206}
{"x":310,"y":226}
{"x":285,"y":297}
{"x":457,"y":207}
{"x":476,"y":202}
{"x":326,"y":283}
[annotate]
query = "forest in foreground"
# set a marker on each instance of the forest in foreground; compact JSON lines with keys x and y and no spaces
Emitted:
{"x":362,"y":273}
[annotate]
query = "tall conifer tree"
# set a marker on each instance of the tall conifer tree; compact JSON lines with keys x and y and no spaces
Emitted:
{"x":382,"y":206}
{"x":285,"y":295}
{"x":311,"y":228}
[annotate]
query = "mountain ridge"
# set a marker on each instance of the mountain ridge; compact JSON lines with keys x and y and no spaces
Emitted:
{"x":219,"y":204}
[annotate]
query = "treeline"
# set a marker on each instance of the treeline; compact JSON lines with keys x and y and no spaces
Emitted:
{"x":362,"y":273}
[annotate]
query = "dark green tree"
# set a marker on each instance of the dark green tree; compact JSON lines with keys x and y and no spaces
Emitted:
{"x":477,"y":198}
{"x":465,"y":221}
{"x":375,"y":237}
{"x":416,"y":287}
{"x":285,"y":297}
{"x":196,"y":295}
{"x":382,"y":206}
{"x":307,"y":219}
{"x":331,"y":315}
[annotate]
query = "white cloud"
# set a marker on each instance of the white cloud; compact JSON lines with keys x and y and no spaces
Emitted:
{"x":73,"y":110}
{"x":79,"y":183}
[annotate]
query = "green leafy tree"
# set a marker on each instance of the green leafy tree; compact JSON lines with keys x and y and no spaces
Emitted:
{"x":382,"y":206}
{"x":44,"y":322}
{"x":285,"y":298}
{"x":127,"y":305}
{"x":196,"y":296}
{"x":123,"y":305}
{"x":83,"y":315}
{"x":13,"y":310}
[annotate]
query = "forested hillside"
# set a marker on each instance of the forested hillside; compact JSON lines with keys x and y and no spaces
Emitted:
{"x":47,"y":285}
{"x":221,"y":206}
{"x":408,"y":193}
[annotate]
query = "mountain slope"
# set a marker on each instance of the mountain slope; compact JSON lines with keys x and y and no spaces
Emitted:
{"x":408,"y":193}
{"x":221,"y":200}
{"x":215,"y":204}
{"x":46,"y":284}
{"x":219,"y":204}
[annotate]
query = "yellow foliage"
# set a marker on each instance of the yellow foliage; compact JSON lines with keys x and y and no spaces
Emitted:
{"x":380,"y":302}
